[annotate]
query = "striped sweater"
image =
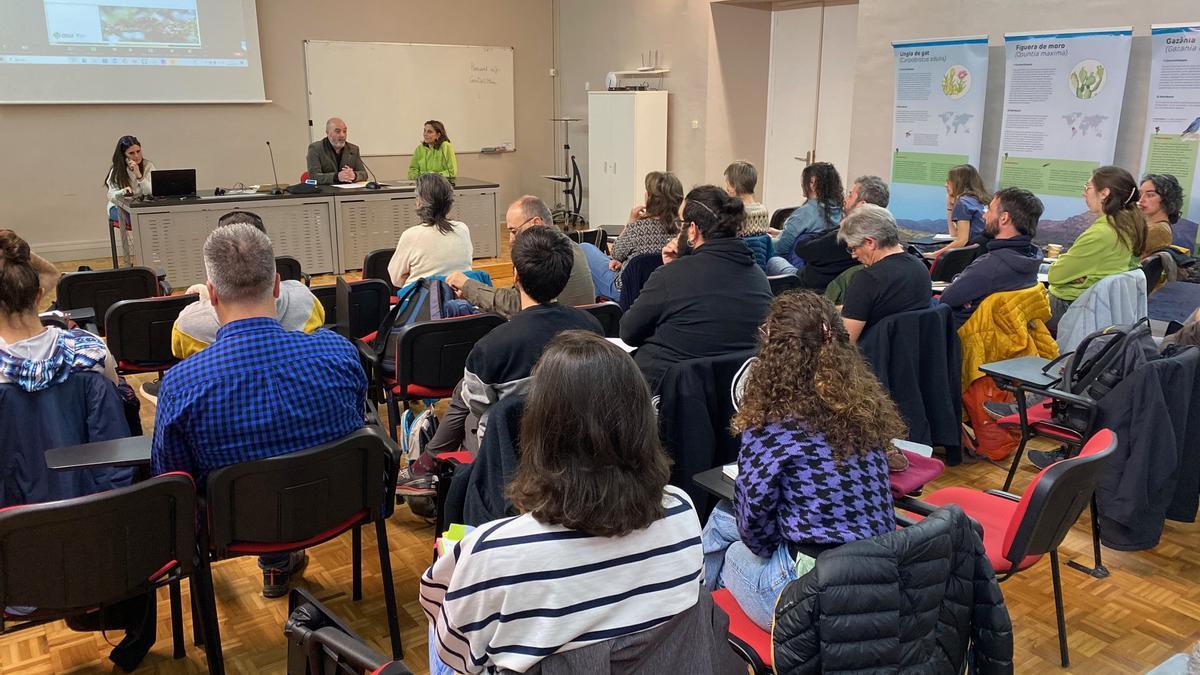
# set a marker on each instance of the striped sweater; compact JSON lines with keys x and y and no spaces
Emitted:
{"x":517,"y":590}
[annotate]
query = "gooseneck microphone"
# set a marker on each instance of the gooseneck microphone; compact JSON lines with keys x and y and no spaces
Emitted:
{"x":276,"y":190}
{"x":372,"y":184}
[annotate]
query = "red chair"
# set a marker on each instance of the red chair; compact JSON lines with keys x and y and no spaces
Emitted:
{"x":299,"y":500}
{"x":70,"y":557}
{"x":1017,"y":532}
{"x":430,"y":359}
{"x":139,"y":332}
{"x":750,"y":641}
{"x":303,"y":176}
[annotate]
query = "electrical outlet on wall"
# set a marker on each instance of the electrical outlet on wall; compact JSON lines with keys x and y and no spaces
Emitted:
{"x":587,"y":86}
{"x":695,"y":124}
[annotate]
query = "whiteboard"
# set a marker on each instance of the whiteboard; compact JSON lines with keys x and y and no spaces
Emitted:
{"x":385,"y":91}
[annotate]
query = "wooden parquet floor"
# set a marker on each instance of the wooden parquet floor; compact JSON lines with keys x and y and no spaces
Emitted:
{"x":1147,"y":610}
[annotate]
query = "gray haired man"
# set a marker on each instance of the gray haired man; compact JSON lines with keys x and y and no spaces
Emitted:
{"x":258,"y":390}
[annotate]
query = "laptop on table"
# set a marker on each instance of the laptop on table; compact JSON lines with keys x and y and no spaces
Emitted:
{"x":173,"y":182}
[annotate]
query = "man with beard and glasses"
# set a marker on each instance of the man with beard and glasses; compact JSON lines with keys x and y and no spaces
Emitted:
{"x":1012,"y":261}
{"x":333,"y":159}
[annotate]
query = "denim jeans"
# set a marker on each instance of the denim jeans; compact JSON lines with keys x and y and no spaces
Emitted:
{"x":754,"y":582}
{"x":777,"y":265}
{"x":603,"y":278}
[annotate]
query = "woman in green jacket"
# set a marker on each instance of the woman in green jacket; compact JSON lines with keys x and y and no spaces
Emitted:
{"x":1111,"y":245}
{"x":434,"y":154}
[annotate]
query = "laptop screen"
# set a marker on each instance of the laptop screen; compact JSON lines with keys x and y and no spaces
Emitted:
{"x":173,"y":182}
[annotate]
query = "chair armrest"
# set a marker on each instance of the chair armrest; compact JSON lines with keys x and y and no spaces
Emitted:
{"x":915,"y":506}
{"x":904,"y":521}
{"x":1003,"y":495}
{"x":1067,"y":396}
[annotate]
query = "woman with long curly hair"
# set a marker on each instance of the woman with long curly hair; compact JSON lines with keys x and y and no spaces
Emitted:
{"x":812,"y":471}
{"x":819,"y":214}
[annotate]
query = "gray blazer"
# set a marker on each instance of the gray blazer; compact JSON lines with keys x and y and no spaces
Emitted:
{"x":323,"y":164}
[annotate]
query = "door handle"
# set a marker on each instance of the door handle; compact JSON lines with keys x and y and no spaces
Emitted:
{"x":808,"y":157}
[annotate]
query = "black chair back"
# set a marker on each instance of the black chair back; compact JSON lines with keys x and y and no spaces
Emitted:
{"x":782,"y":283}
{"x":289,"y":269}
{"x":634,"y":275}
{"x":375,"y":266}
{"x":321,"y":643}
{"x":951,"y":263}
{"x":369,"y":304}
{"x":433,"y":354}
{"x":1152,"y":267}
{"x":302,"y":497}
{"x":609,"y":315}
{"x":102,"y":288}
{"x":597,"y":237}
{"x":68,"y":556}
{"x":1057,"y":496}
{"x":139,"y":331}
{"x":781,"y":215}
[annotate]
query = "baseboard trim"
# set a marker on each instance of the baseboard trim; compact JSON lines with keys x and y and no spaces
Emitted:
{"x":84,"y":249}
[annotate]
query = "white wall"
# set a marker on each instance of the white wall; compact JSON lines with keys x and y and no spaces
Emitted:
{"x":882,"y":21}
{"x":718,"y":60}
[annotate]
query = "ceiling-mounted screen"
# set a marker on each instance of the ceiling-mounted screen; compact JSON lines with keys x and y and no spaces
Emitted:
{"x":129,"y":51}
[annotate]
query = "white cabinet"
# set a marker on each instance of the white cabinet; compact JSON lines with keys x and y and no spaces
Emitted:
{"x":627,"y":138}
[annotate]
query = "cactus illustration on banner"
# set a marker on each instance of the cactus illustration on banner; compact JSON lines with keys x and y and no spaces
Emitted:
{"x":1087,"y":78}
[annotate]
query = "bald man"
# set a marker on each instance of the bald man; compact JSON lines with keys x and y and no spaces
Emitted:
{"x":332,"y":159}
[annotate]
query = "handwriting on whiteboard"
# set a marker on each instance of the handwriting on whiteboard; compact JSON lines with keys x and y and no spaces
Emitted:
{"x":482,"y":73}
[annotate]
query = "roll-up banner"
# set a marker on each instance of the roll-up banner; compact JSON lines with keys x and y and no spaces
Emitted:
{"x":937,"y":123}
{"x":1173,"y":119}
{"x":1063,"y":92}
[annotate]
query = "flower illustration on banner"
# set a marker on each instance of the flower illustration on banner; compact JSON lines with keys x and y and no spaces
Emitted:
{"x":956,"y":82}
{"x":1087,"y":78}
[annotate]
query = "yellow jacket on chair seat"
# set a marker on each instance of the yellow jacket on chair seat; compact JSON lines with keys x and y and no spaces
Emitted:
{"x":1004,"y":326}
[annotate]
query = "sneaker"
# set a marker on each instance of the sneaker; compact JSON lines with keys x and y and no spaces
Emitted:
{"x":1044,"y":459}
{"x":409,"y":485}
{"x":275,"y":580}
{"x":149,"y":390}
{"x":998,"y":409}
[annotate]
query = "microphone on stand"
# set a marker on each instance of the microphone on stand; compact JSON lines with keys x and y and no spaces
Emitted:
{"x":276,"y":190}
{"x":372,"y":184}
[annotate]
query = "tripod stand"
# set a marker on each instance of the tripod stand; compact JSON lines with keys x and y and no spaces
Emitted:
{"x":572,"y":181}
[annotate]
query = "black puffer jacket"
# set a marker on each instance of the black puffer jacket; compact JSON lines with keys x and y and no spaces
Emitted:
{"x":913,"y":600}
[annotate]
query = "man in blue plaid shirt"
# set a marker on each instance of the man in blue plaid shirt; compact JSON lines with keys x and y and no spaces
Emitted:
{"x":258,"y":391}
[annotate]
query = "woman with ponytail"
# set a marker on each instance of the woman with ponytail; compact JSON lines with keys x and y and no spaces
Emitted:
{"x":709,"y":297}
{"x":1112,"y":244}
{"x":812,"y":470}
{"x":436,"y":247}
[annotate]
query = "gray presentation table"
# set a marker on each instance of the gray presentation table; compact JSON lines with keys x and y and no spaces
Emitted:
{"x":328,"y":232}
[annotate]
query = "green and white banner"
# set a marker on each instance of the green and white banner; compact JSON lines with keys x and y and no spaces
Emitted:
{"x":937,"y":123}
{"x":1173,"y":118}
{"x":1062,"y":104}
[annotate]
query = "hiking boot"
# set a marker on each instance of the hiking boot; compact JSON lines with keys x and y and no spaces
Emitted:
{"x":410,"y":485}
{"x":1044,"y":459}
{"x":149,"y":390}
{"x":275,"y":579}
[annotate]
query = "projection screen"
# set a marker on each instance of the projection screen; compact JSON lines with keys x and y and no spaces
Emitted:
{"x":129,"y":51}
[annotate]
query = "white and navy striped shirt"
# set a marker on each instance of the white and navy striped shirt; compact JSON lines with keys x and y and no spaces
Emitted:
{"x":517,"y":590}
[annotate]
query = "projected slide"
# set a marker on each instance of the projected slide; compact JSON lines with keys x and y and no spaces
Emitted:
{"x":74,"y":50}
{"x":111,"y":22}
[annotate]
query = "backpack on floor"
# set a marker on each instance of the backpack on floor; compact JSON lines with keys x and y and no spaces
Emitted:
{"x":420,"y":300}
{"x":1102,"y":360}
{"x":416,"y":432}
